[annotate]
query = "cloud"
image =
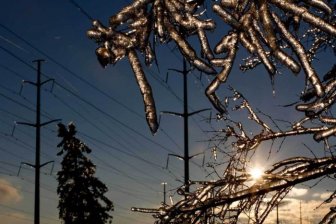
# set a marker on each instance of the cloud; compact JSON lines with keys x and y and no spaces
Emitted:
{"x":311,"y":212}
{"x":15,"y":218}
{"x":316,"y":195}
{"x":325,"y":195}
{"x":9,"y":193}
{"x":297,"y":192}
{"x":322,"y":196}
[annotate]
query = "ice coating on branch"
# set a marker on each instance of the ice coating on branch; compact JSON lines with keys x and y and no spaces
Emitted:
{"x":275,"y":34}
{"x":222,"y":194}
{"x":258,"y":26}
{"x":255,"y":25}
{"x":235,"y":192}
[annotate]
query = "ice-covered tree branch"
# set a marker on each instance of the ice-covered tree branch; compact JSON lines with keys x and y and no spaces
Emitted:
{"x":263,"y":27}
{"x":277,"y":34}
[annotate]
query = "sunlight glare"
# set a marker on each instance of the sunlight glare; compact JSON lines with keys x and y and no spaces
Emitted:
{"x":256,"y":173}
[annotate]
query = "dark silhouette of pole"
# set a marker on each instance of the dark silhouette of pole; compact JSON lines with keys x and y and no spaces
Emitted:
{"x":277,"y":214}
{"x":185,"y":116}
{"x":300,"y":214}
{"x":164,"y":193}
{"x":38,"y":126}
{"x":186,"y":127}
{"x":38,"y":145}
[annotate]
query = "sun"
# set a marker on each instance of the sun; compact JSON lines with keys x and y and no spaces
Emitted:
{"x":256,"y":173}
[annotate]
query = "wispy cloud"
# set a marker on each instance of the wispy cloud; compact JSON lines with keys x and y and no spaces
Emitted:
{"x":323,"y":196}
{"x":297,"y":192}
{"x":297,"y":206}
{"x":9,"y":194}
{"x":14,"y":218}
{"x":311,"y":212}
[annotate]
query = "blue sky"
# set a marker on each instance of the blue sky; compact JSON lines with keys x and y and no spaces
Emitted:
{"x":109,"y":111}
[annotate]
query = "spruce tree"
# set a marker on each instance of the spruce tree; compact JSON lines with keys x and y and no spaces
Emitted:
{"x":81,"y":194}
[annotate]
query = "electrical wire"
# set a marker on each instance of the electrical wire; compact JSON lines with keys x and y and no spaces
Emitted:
{"x":155,"y":76}
{"x":119,"y":150}
{"x":90,"y":83}
{"x":96,"y":108}
{"x":26,"y":212}
{"x":165,"y":133}
{"x":92,"y":105}
{"x":81,"y":9}
{"x":109,"y":136}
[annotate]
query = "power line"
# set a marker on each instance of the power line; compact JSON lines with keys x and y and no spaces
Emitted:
{"x":11,"y":153}
{"x":106,"y":144}
{"x":109,"y":136}
{"x":142,"y":116}
{"x":23,"y":105}
{"x":156,"y":78}
{"x":14,"y":174}
{"x":16,"y":57}
{"x":125,"y":174}
{"x":48,"y":188}
{"x":18,"y":167}
{"x":92,"y":105}
{"x":81,"y":9}
{"x":11,"y":135}
{"x":8,"y":170}
{"x":24,"y":119}
{"x":66,"y":69}
{"x":12,"y":114}
{"x":24,"y":132}
{"x":17,"y":102}
{"x":113,"y":118}
{"x":17,"y":217}
{"x":17,"y":141}
{"x":89,"y":83}
{"x":127,"y":163}
{"x":23,"y":211}
{"x":37,"y":125}
{"x":160,"y":81}
{"x":123,"y":152}
{"x":133,"y":155}
{"x":123,"y":191}
{"x":126,"y":154}
{"x":22,"y":144}
{"x":12,"y":71}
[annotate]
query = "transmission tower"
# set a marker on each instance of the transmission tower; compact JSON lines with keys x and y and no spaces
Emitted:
{"x":185,"y":115}
{"x":37,"y":125}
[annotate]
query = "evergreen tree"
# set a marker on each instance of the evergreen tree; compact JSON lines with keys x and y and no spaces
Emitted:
{"x":82,"y":199}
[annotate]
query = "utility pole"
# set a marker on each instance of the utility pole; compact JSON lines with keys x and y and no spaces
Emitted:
{"x":37,"y":166}
{"x":185,"y":115}
{"x":277,"y":214}
{"x":164,"y":193}
{"x":300,"y":214}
